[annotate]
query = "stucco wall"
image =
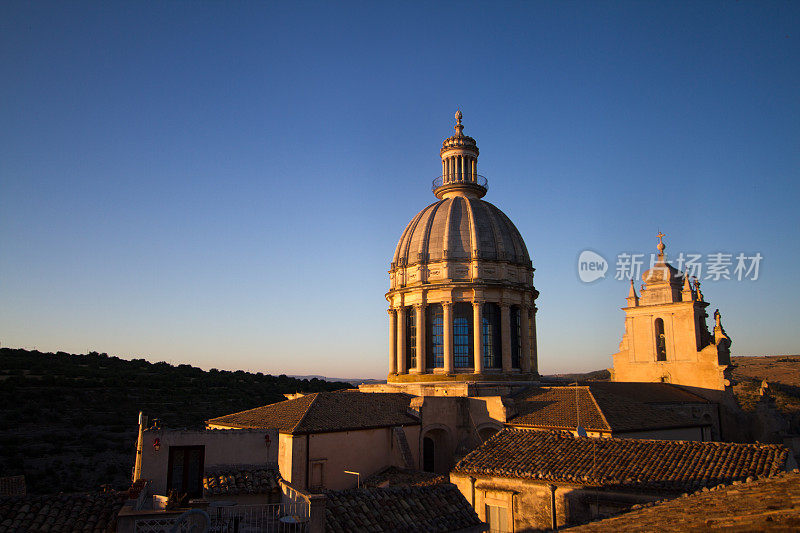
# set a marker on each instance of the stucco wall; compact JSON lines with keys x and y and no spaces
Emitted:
{"x":529,"y":504}
{"x":365,"y":451}
{"x":222,"y":447}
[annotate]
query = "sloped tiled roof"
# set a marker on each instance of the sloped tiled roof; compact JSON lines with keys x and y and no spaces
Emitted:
{"x":594,"y":410}
{"x":240,"y":479}
{"x":64,"y":513}
{"x":558,"y":407}
{"x":639,"y":464}
{"x":765,"y":504}
{"x":432,"y":509}
{"x":627,"y":414}
{"x":324,"y":412}
{"x":647,"y":392}
{"x":394,"y":476}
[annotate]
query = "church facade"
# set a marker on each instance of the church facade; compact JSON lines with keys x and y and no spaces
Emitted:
{"x":666,"y":336}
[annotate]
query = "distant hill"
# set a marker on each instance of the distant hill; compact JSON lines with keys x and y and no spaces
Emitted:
{"x":782,"y":372}
{"x":597,"y":375}
{"x":351,"y":381}
{"x":68,"y":422}
{"x":784,"y":369}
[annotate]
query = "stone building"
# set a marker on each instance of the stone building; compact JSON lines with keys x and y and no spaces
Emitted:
{"x":666,"y":336}
{"x":324,"y":435}
{"x":527,"y":480}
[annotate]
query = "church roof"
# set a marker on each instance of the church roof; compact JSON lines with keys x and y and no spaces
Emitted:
{"x":593,"y":408}
{"x":459,"y":228}
{"x":636,"y":464}
{"x":436,"y":508}
{"x":763,"y":504}
{"x":322,"y":412}
{"x":651,"y":393}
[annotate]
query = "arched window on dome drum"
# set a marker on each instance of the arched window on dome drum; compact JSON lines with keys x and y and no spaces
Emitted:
{"x":411,"y":338}
{"x":434,"y":334}
{"x":516,"y":336}
{"x":661,"y":341}
{"x":462,"y":336}
{"x":490,"y":329}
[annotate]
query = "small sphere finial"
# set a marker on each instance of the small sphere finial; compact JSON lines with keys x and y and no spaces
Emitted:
{"x":661,"y":246}
{"x":459,"y":116}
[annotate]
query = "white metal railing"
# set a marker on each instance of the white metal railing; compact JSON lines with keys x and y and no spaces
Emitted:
{"x":270,"y":518}
{"x":452,"y":179}
{"x":166,"y":524}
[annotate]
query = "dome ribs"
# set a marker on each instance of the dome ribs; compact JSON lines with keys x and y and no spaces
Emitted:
{"x":473,"y":235}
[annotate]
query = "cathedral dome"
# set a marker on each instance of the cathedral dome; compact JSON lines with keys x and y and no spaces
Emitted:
{"x":461,"y":296}
{"x":460,"y":227}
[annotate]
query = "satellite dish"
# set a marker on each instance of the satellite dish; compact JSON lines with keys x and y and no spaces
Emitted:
{"x":582,"y":432}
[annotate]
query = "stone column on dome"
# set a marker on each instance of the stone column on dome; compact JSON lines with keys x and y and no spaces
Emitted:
{"x":477,"y":315}
{"x":525,"y":326}
{"x":392,"y":341}
{"x":447,"y":307}
{"x":444,"y":171}
{"x":421,"y":339}
{"x":402,"y":366}
{"x":505,"y":328}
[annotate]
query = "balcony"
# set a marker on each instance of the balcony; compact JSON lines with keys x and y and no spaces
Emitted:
{"x":449,"y":182}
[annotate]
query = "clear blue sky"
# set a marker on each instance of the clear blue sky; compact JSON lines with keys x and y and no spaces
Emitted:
{"x":224,"y":183}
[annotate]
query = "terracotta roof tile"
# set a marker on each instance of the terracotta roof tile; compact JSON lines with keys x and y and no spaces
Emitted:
{"x":558,"y":407}
{"x":326,"y":411}
{"x":634,"y":463}
{"x":240,"y":479}
{"x":394,"y":476}
{"x":63,"y":513}
{"x":647,"y":392}
{"x":436,"y":508}
{"x":594,"y":409}
{"x":764,"y":504}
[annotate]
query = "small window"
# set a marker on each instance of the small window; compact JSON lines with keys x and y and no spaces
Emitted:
{"x":317,"y":475}
{"x":428,"y":454}
{"x":435,"y":327}
{"x":661,"y":341}
{"x":497,"y":518}
{"x":411,"y":337}
{"x":490,"y":329}
{"x":462,"y":335}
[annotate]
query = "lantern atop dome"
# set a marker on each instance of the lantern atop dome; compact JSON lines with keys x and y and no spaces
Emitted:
{"x":460,"y":176}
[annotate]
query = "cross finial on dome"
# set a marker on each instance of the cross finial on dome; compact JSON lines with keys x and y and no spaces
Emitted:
{"x":459,"y":127}
{"x":661,"y":244}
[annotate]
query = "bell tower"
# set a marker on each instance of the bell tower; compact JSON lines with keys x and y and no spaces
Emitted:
{"x":666,"y":338}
